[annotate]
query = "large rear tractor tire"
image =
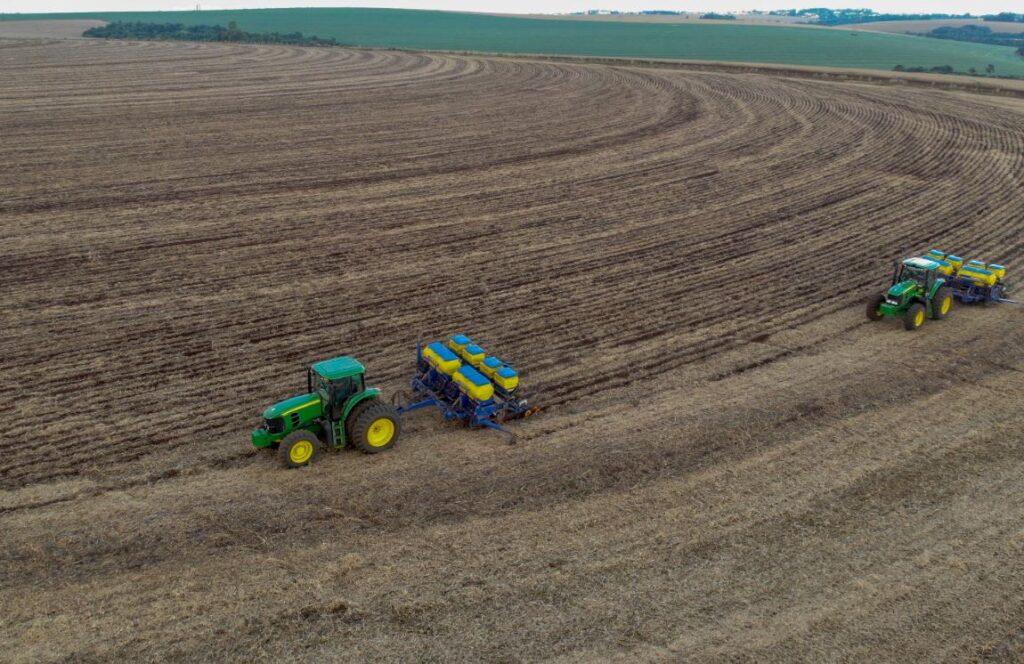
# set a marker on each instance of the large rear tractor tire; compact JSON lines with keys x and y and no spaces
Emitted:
{"x":873,"y":307}
{"x":375,"y":428}
{"x":914,"y":318}
{"x":353,"y":416}
{"x":942,"y":303}
{"x":298,"y":448}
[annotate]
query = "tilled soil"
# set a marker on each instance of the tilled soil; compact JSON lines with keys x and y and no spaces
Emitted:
{"x":732,"y":462}
{"x":49,"y":29}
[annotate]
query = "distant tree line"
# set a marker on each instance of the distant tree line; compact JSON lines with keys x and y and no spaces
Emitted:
{"x":1008,"y":17}
{"x":210,"y":33}
{"x":718,"y":17}
{"x":990,"y":70}
{"x":941,"y":69}
{"x":979,"y":34}
{"x":829,"y":16}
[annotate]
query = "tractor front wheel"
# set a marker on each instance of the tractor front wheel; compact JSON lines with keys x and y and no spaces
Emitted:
{"x":914,"y":318}
{"x":298,"y":448}
{"x":942,"y":303}
{"x":375,"y":427}
{"x":874,"y":304}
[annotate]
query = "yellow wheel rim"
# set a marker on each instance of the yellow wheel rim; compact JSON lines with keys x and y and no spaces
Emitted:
{"x":381,"y":432}
{"x":301,"y":451}
{"x":946,"y":304}
{"x":919,"y":319}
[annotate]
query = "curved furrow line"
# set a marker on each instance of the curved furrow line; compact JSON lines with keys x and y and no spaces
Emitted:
{"x":217,"y":215}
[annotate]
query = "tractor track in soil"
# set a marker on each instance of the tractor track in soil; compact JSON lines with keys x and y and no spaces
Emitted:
{"x":672,"y":258}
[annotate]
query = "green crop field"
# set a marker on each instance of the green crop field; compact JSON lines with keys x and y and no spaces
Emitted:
{"x":499,"y":34}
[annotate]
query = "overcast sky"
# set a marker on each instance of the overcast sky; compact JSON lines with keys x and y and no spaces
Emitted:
{"x":519,"y":6}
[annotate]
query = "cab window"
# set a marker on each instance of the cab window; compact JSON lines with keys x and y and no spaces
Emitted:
{"x":342,"y":388}
{"x":321,"y":383}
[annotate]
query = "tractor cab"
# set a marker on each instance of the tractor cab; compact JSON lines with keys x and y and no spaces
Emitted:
{"x":335,"y":382}
{"x":913,"y":275}
{"x":336,"y":410}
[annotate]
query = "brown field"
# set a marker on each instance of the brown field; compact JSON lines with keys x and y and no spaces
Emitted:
{"x":919,"y":27}
{"x":733,"y":465}
{"x":51,"y":28}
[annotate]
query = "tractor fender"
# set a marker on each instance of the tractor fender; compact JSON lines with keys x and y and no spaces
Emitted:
{"x":939,"y":283}
{"x":370,"y":393}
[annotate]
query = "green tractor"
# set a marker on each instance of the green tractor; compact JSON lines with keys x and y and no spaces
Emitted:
{"x":337,"y":410}
{"x":918,"y":290}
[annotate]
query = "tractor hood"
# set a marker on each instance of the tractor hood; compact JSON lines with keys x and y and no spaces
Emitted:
{"x":897,"y":291}
{"x":310,"y":403}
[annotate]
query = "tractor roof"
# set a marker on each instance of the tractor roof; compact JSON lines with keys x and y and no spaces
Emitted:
{"x":922,"y":263}
{"x":339,"y":367}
